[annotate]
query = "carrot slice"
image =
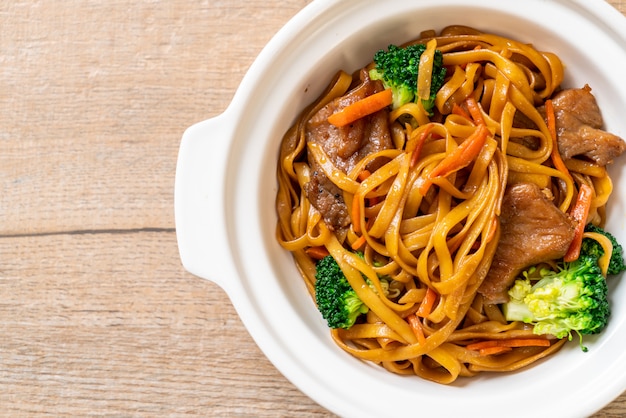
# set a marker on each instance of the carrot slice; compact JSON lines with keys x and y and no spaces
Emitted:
{"x":463,"y":155}
{"x":579,"y":212}
{"x":317,"y":253}
{"x":474,"y":110}
{"x":420,"y":144}
{"x":426,"y":306}
{"x":458,"y":110}
{"x":361,"y":108}
{"x":416,"y":327}
{"x":492,"y":229}
{"x":358,"y":243}
{"x":363,"y":175}
{"x":555,"y":155}
{"x":512,"y":342}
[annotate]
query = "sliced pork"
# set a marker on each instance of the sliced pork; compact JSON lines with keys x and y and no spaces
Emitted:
{"x":345,"y":147}
{"x":579,"y":128}
{"x":533,"y":230}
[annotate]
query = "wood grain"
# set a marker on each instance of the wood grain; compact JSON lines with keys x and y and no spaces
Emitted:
{"x":97,"y":316}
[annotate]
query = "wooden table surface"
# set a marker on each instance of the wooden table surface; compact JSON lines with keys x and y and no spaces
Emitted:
{"x":97,"y":315}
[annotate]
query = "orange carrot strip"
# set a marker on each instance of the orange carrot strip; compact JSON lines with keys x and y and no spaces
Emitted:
{"x":525,"y":342}
{"x":579,"y":212}
{"x":363,"y":175}
{"x":462,"y":155}
{"x":492,"y":229}
{"x":556,"y":155}
{"x":426,"y":306}
{"x":317,"y":253}
{"x":416,"y":327}
{"x":494,"y":350}
{"x":361,"y":108}
{"x":458,"y":110}
{"x":420,"y":144}
{"x":474,"y":110}
{"x":512,"y":342}
{"x":358,"y":243}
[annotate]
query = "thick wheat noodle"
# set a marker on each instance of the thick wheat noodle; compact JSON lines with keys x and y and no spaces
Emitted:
{"x":445,"y":239}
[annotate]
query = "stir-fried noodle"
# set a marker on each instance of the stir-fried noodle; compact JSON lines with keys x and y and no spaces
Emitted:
{"x":431,"y":229}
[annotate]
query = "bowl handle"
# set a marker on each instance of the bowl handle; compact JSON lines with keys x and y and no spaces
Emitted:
{"x":199,"y":200}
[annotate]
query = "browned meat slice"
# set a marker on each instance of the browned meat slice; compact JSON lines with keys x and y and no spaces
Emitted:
{"x":533,"y":230}
{"x":579,"y":123}
{"x":327,"y":198}
{"x":522,"y":121}
{"x":345,"y":147}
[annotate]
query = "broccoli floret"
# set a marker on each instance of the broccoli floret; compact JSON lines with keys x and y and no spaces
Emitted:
{"x":397,"y":68}
{"x":336,"y":300}
{"x":338,"y":303}
{"x":593,"y":248}
{"x":571,"y":299}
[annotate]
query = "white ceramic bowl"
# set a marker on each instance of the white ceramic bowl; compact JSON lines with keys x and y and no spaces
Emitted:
{"x":225,"y":217}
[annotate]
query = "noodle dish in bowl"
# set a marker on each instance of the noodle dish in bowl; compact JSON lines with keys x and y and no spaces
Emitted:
{"x":438,"y":205}
{"x":446,"y":206}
